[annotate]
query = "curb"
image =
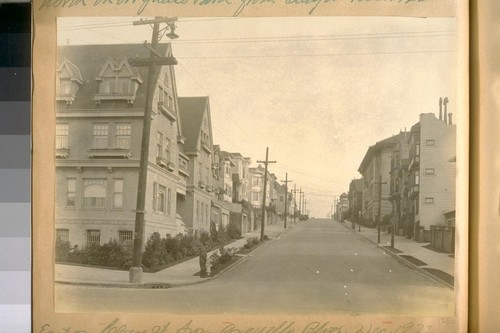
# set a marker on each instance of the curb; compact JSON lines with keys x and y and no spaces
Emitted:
{"x":403,"y":261}
{"x":162,"y":285}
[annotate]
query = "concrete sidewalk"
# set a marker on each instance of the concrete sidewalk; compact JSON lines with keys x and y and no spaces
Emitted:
{"x":436,"y":265}
{"x":176,"y":275}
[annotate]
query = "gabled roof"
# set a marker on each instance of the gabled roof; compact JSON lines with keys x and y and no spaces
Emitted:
{"x":118,"y":65}
{"x":376,"y":148}
{"x":191,"y":110}
{"x":90,"y":59}
{"x":73,"y":70}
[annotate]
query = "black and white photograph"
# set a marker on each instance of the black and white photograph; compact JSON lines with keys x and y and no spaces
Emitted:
{"x":258,"y":165}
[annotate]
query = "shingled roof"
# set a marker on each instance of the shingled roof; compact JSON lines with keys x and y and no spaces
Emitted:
{"x":88,"y":60}
{"x":191,"y":110}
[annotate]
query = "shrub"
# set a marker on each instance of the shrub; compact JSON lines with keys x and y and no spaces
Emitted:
{"x":249,"y":243}
{"x":233,"y":231}
{"x":214,"y":258}
{"x":114,"y":254}
{"x":255,"y":240}
{"x":62,"y":250}
{"x":111,"y":254}
{"x":155,"y":253}
{"x":173,"y":247}
{"x":222,"y":235}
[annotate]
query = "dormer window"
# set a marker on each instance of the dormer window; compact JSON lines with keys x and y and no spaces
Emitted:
{"x":117,"y":80}
{"x":69,"y":79}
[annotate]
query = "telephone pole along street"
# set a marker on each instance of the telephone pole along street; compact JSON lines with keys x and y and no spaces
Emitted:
{"x":315,"y":267}
{"x":263,"y":222}
{"x":154,"y":60}
{"x":286,"y":181}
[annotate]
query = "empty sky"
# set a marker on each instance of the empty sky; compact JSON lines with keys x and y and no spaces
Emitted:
{"x":318,"y":91}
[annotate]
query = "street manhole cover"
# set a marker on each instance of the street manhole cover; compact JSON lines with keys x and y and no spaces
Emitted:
{"x":157,"y":285}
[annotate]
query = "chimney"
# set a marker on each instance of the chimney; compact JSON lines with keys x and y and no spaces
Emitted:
{"x":445,"y":102}
{"x":450,"y":122}
{"x":440,"y":108}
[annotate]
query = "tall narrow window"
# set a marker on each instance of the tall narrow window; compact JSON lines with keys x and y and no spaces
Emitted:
{"x":123,"y":85}
{"x":206,"y":214}
{"x":105,"y":85}
{"x":93,"y":237}
{"x":155,"y":194}
{"x":94,"y":193}
{"x":161,"y":198}
{"x":200,"y":172}
{"x":169,"y":200}
{"x":167,"y":149}
{"x":62,"y":131}
{"x":159,"y":144}
{"x":71,"y":193}
{"x":207,"y":175}
{"x":197,"y":211}
{"x":100,"y":136}
{"x":66,"y":87}
{"x":118,"y":194}
{"x":123,"y":132}
{"x":161,"y":96}
{"x":202,"y":212}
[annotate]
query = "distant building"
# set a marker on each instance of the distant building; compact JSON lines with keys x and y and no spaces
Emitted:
{"x":241,"y":188}
{"x":375,"y":169}
{"x":355,"y":196}
{"x":398,"y":177}
{"x":343,"y":206}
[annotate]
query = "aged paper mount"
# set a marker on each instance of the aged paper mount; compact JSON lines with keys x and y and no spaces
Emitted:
{"x":45,"y":319}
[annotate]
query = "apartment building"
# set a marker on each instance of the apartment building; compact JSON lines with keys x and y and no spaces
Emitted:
{"x":100,"y":105}
{"x":431,"y":172}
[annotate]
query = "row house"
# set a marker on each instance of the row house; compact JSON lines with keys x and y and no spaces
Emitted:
{"x":375,"y":169}
{"x":223,"y":187}
{"x":242,"y":213}
{"x":241,"y":177}
{"x":196,"y":206}
{"x":398,"y":195}
{"x":100,"y":103}
{"x":256,"y":177}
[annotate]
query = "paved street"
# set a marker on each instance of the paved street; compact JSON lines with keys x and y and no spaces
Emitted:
{"x":318,"y":266}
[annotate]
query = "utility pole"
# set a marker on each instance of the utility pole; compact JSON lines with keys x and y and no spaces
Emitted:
{"x":266,"y":162}
{"x":294,"y":202}
{"x":300,"y":203}
{"x":286,"y":181}
{"x":155,"y":59}
{"x":305,"y":206}
{"x":379,"y":205}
